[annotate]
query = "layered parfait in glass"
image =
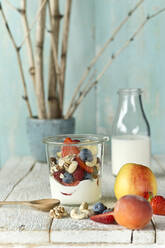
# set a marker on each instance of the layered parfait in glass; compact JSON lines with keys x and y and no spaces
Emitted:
{"x":75,"y":163}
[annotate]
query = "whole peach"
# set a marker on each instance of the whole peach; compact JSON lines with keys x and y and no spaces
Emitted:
{"x":135,"y":179}
{"x":133,"y":212}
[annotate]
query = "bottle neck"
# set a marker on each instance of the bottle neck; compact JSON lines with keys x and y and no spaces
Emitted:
{"x":130,"y":103}
{"x":130,"y":117}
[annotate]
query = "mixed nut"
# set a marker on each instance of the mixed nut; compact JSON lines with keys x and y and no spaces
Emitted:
{"x":58,"y":212}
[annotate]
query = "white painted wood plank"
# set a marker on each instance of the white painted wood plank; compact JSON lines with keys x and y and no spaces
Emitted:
{"x":160,"y":220}
{"x":160,"y":229}
{"x":91,"y":236}
{"x":82,"y":245}
{"x":94,"y":245}
{"x":144,"y":236}
{"x":23,"y":225}
{"x":12,"y":172}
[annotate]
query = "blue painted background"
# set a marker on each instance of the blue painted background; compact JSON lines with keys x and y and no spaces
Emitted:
{"x":92,"y":23}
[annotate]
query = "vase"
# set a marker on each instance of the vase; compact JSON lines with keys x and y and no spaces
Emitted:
{"x":39,"y":129}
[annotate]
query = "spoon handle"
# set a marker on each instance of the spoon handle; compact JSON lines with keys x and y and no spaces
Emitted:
{"x":15,"y":202}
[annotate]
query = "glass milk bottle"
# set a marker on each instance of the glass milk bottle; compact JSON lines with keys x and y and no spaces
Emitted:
{"x":130,"y":141}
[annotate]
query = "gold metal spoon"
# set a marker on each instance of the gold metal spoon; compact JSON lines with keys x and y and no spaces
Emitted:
{"x":42,"y":204}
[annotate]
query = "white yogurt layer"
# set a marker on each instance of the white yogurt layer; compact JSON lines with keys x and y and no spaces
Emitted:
{"x":87,"y":190}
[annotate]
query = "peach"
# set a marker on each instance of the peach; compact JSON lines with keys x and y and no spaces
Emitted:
{"x":135,"y":179}
{"x":133,"y":212}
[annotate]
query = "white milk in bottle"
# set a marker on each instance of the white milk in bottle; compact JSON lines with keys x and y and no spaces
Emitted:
{"x":130,"y":149}
{"x":130,"y":142}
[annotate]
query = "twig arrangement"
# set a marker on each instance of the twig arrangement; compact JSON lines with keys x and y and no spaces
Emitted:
{"x":52,"y":106}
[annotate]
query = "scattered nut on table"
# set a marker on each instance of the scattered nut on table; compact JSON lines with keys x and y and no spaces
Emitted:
{"x":82,"y":213}
{"x":84,"y":205}
{"x":78,"y":215}
{"x":58,"y":212}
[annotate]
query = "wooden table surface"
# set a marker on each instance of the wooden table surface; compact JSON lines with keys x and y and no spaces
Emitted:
{"x":25,"y":179}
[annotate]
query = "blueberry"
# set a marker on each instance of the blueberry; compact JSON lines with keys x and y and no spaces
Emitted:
{"x":86,"y":155}
{"x":98,"y":208}
{"x":68,"y":178}
{"x":87,"y":176}
{"x":108,"y":210}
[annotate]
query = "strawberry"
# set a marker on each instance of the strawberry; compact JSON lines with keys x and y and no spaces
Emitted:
{"x":78,"y":175}
{"x":67,"y":140}
{"x":75,"y":141}
{"x":148,"y":196}
{"x":106,"y":218}
{"x":57,"y":176}
{"x":84,"y":166}
{"x":158,"y":205}
{"x":70,"y":141}
{"x":69,"y":150}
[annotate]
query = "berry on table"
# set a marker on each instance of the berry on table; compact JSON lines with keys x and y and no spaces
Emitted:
{"x":99,"y":207}
{"x":86,"y":155}
{"x":106,"y":218}
{"x":158,"y":205}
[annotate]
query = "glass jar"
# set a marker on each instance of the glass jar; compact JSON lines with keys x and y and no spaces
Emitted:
{"x":75,"y":163}
{"x":130,"y":131}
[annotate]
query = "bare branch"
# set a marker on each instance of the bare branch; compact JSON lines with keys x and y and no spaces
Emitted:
{"x":53,"y":102}
{"x":90,"y":85}
{"x":12,"y":6}
{"x":94,"y":60}
{"x":17,"y":49}
{"x":55,"y":55}
{"x":40,"y":33}
{"x":28,"y":42}
{"x":42,"y":6}
{"x":64,"y":48}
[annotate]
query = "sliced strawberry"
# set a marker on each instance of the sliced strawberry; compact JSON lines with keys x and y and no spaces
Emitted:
{"x":57,"y":176}
{"x":70,"y":150}
{"x":84,"y":166}
{"x":70,"y":141}
{"x":106,"y":218}
{"x":158,"y":205}
{"x":75,"y":141}
{"x":67,"y":140}
{"x":71,"y":184}
{"x":79,"y":174}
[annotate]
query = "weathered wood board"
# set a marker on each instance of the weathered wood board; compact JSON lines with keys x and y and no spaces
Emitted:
{"x":24,"y":179}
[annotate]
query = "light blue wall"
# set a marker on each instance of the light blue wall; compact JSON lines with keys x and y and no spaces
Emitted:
{"x":141,"y":65}
{"x":92,"y":22}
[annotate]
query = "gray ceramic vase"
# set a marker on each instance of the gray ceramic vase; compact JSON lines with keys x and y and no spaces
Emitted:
{"x":39,"y":129}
